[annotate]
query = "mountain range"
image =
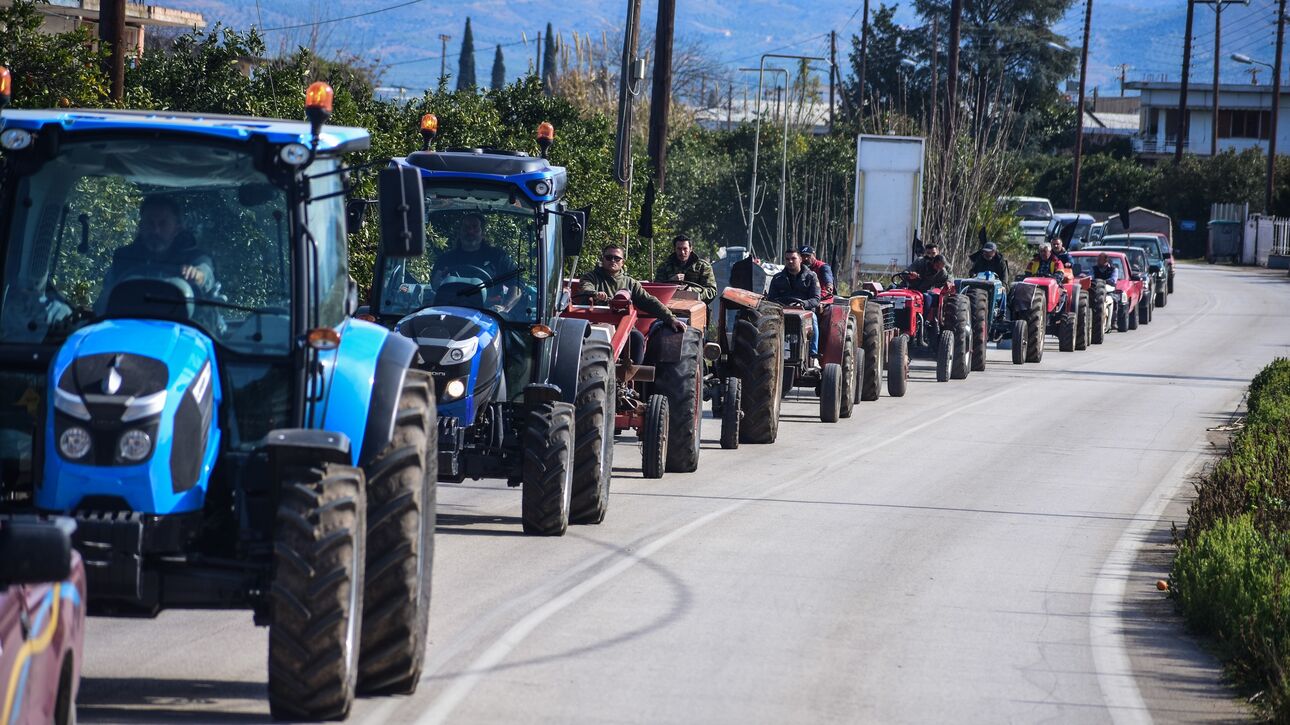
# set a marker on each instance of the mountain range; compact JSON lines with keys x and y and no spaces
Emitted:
{"x":403,"y":35}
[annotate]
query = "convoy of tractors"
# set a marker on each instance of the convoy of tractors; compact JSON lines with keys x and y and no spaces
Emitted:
{"x":228,"y":427}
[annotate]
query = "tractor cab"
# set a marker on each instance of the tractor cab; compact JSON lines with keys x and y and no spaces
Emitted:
{"x":180,"y":372}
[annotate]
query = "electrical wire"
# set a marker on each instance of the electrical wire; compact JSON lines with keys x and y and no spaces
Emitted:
{"x":343,"y":17}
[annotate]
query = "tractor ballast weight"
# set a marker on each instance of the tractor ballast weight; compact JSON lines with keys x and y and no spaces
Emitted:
{"x":524,"y":394}
{"x":212,"y":417}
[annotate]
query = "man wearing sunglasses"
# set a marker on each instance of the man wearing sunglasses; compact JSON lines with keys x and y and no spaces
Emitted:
{"x":608,"y":280}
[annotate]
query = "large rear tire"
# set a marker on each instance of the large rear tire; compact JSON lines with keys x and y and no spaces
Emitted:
{"x":654,"y":436}
{"x":316,"y":599}
{"x":1019,"y":338}
{"x":400,"y":545}
{"x":593,"y":453}
{"x":898,"y":366}
{"x":944,"y":355}
{"x":1066,"y":331}
{"x":1083,"y":324}
{"x":731,"y":413}
{"x":1097,"y":312}
{"x":830,"y":392}
{"x":959,"y":314}
{"x":547,"y":476}
{"x":979,"y":301}
{"x":873,"y":341}
{"x":681,"y":383}
{"x":1036,"y":329}
{"x":758,"y":355}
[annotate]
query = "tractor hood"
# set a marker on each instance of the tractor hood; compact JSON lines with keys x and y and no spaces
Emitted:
{"x":461,"y":347}
{"x":131,"y":419}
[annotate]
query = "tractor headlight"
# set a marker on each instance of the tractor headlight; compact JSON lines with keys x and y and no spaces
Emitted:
{"x":134,"y":445}
{"x":294,"y":154}
{"x":74,"y":443}
{"x":455,"y":389}
{"x":459,"y":351}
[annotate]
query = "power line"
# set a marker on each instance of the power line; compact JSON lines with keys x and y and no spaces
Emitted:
{"x":483,"y":49}
{"x":342,"y":18}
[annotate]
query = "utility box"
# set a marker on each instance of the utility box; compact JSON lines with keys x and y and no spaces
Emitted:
{"x":1224,"y":241}
{"x":888,"y":201}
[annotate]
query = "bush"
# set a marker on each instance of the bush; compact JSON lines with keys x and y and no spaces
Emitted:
{"x":1231,"y":578}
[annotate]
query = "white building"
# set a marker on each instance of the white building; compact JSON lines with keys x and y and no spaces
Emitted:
{"x":62,"y":16}
{"x":1244,"y":117}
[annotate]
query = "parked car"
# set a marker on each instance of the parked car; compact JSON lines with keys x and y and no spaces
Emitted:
{"x":42,"y":620}
{"x":1113,"y":307}
{"x":1154,"y":244}
{"x":1034,"y":212}
{"x":1082,"y":233}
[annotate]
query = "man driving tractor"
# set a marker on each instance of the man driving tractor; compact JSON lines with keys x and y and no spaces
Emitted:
{"x":928,"y":272}
{"x":797,"y":286}
{"x":683,"y":267}
{"x":989,"y":260}
{"x":608,"y":280}
{"x":1046,"y":264}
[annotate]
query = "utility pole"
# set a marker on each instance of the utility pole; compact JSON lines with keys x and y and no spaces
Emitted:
{"x":112,"y":34}
{"x":1276,"y":108}
{"x":1184,"y":121}
{"x":936,"y":52}
{"x":864,"y":56}
{"x":661,"y":93}
{"x":1079,"y":111}
{"x":538,"y":63}
{"x":952,"y":69}
{"x":443,"y":57}
{"x":833,"y":68}
{"x":1124,"y":72}
{"x":730,"y":103}
{"x":1218,"y":36}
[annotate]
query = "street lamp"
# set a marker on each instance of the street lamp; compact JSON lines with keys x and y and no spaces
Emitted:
{"x":1272,"y":132}
{"x":1247,"y":60}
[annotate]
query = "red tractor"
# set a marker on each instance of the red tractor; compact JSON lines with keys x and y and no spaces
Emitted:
{"x":1042,"y":306}
{"x":881,"y":344}
{"x":942,"y":330}
{"x":1112,"y":307}
{"x":662,"y":398}
{"x":747,"y":367}
{"x":837,"y":374}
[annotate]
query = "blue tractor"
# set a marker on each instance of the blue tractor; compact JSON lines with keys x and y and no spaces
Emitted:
{"x":179,"y":372}
{"x":524,"y":394}
{"x":988,"y":312}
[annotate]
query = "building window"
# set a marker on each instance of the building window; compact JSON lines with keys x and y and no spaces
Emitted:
{"x":1244,"y":124}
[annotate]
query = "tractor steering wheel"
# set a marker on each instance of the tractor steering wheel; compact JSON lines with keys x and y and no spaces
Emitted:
{"x":899,"y":279}
{"x":467,"y":271}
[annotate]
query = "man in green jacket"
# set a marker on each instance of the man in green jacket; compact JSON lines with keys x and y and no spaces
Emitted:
{"x":607,"y":280}
{"x":684,"y":268}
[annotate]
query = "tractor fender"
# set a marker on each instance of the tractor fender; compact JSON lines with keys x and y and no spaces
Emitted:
{"x":1022,"y":296}
{"x":363,"y":386}
{"x":570,"y":335}
{"x":833,"y":332}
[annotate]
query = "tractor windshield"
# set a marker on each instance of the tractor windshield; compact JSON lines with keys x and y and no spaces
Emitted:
{"x":481,"y":252}
{"x":153,"y":221}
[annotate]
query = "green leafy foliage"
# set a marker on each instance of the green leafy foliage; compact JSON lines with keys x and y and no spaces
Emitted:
{"x":1231,"y":577}
{"x":49,"y":70}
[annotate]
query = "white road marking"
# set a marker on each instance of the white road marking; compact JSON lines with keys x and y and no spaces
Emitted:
{"x":461,"y":687}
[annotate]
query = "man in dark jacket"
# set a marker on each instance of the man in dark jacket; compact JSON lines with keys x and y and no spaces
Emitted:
{"x":609,"y":280}
{"x":797,"y":286}
{"x":686,"y":269}
{"x":822,"y":270}
{"x":989,"y":260}
{"x":162,"y":247}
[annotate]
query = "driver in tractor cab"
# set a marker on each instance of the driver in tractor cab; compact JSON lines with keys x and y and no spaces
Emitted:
{"x":609,"y":280}
{"x":822,"y":270}
{"x":797,"y":286}
{"x":470,"y":250}
{"x":928,"y":272}
{"x":683,"y":267}
{"x":161,"y":241}
{"x":988,"y":259}
{"x":1106,"y":271}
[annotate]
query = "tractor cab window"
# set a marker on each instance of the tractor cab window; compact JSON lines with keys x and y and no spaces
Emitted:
{"x":148,"y":228}
{"x":481,"y":252}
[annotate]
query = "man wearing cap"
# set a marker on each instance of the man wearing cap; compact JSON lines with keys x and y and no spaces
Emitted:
{"x":683,"y":267}
{"x":823,"y":272}
{"x":989,"y":260}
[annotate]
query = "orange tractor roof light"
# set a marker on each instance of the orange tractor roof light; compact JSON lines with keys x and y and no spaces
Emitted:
{"x":545,"y":136}
{"x":6,"y":86}
{"x":318,"y":103}
{"x":429,"y":129}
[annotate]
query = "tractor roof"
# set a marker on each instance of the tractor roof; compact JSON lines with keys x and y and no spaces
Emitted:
{"x":333,"y":139}
{"x":491,"y":166}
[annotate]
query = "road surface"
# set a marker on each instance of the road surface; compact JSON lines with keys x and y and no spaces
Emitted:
{"x":968,"y":553}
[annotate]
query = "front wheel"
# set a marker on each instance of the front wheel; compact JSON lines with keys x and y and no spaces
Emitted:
{"x":654,"y":437}
{"x":316,"y":599}
{"x":1019,"y":342}
{"x":980,"y":304}
{"x":731,"y":413}
{"x":850,"y":379}
{"x":944,"y":356}
{"x":593,"y":453}
{"x":898,"y":366}
{"x":681,"y":382}
{"x":830,"y":392}
{"x":547,"y":477}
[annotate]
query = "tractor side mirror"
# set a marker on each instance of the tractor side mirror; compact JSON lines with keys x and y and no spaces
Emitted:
{"x":33,"y":552}
{"x":355,"y":211}
{"x":402,"y":205}
{"x":573,"y":230}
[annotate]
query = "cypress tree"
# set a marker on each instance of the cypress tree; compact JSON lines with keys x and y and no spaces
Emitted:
{"x":499,"y":69}
{"x":466,"y":63}
{"x":549,"y":61}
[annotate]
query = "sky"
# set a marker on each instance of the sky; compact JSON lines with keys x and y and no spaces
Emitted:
{"x":1145,"y":35}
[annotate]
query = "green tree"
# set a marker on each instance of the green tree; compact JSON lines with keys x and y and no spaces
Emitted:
{"x":883,"y":80}
{"x":499,"y":68}
{"x":49,"y":70}
{"x":549,"y":61}
{"x":466,"y":61}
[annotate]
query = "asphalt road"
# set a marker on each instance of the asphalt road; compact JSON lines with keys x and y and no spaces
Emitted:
{"x":969,"y":553}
